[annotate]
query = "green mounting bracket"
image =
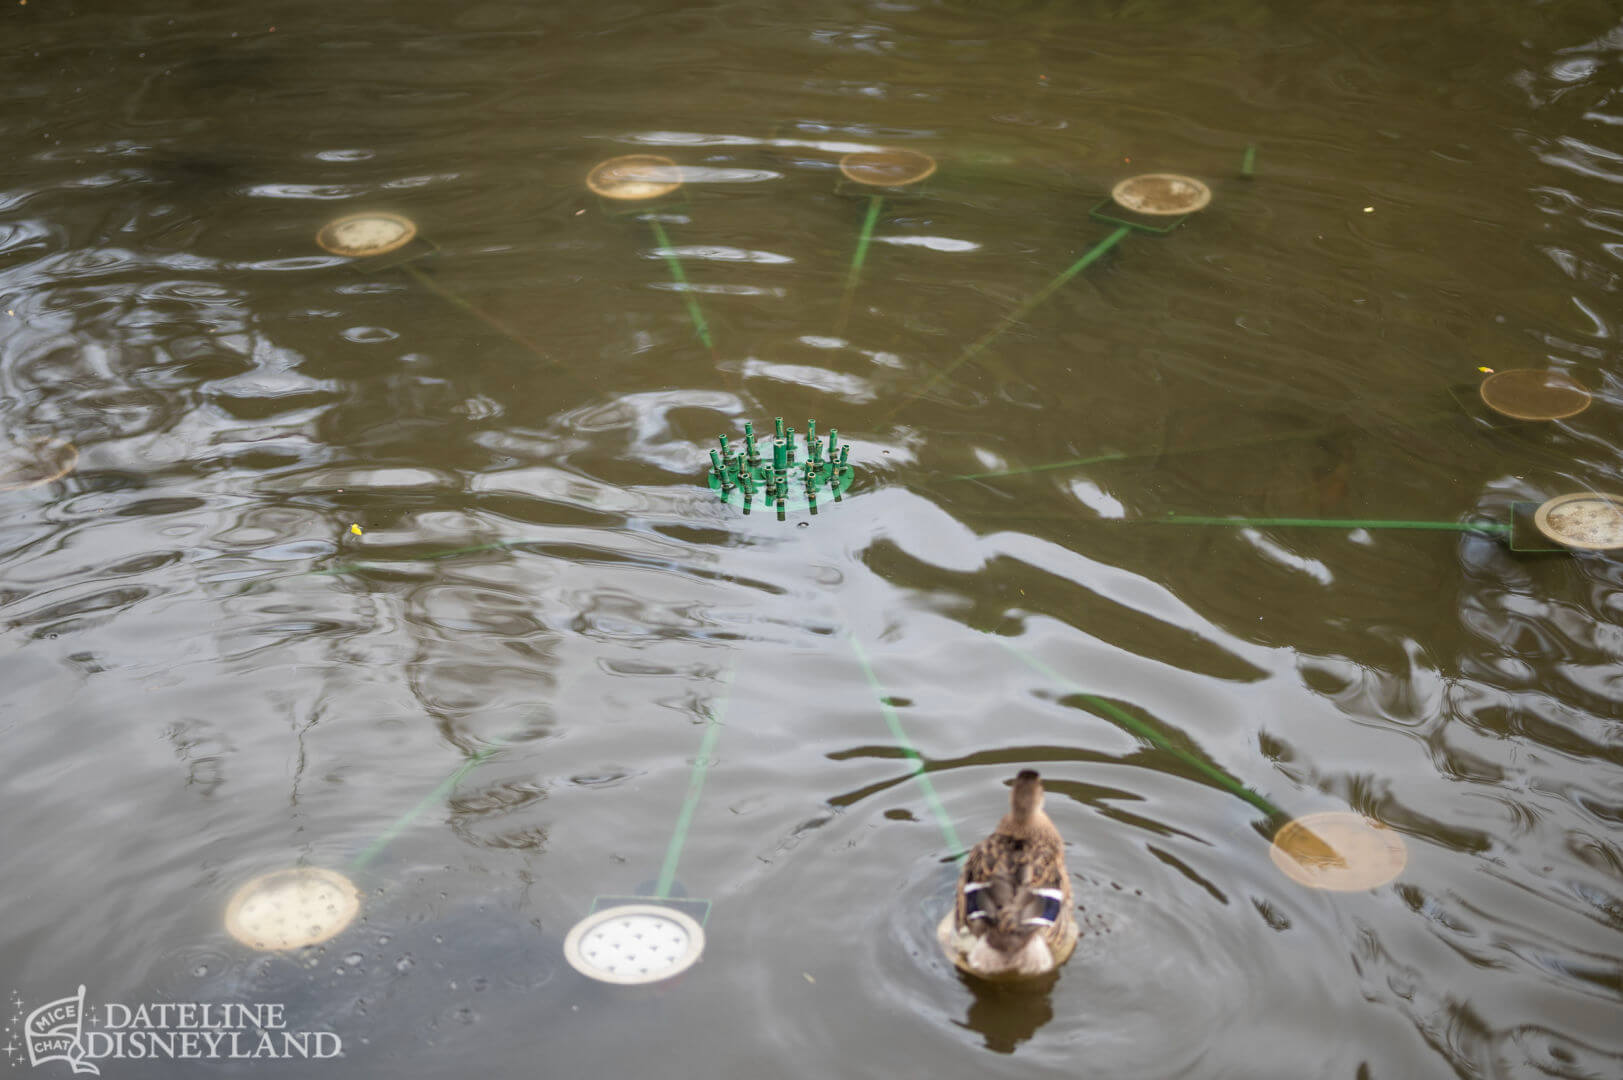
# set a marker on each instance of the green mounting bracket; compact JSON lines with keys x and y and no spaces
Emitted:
{"x":782,"y":478}
{"x":850,"y":189}
{"x":1109,"y":211}
{"x":622,"y":210}
{"x":697,"y":910}
{"x":1525,"y":537}
{"x":417,"y":250}
{"x":1468,"y":396}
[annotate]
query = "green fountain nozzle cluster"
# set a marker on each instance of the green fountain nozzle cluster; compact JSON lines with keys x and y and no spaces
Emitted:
{"x":781,"y":476}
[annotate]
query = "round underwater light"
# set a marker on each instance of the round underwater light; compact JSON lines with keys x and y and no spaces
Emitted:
{"x":1585,"y":519}
{"x":634,"y":943}
{"x":635,"y":177}
{"x":371,"y":233}
{"x":1339,"y":851}
{"x":1534,"y":394}
{"x":30,"y":464}
{"x":887,"y":168}
{"x":288,"y":909}
{"x":1161,"y":194}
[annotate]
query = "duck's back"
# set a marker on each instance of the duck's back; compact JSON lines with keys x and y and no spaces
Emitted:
{"x":1014,"y":885}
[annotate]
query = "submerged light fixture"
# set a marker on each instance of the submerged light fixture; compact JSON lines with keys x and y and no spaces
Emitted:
{"x":1161,"y":195}
{"x":1582,"y":520}
{"x":658,"y":932}
{"x":784,"y":478}
{"x":877,"y":173}
{"x":634,"y":178}
{"x":1534,"y":394}
{"x":634,"y":184}
{"x":634,"y":944}
{"x":893,"y":168}
{"x":367,"y":234}
{"x":307,"y":905}
{"x":1154,"y":203}
{"x":379,"y":240}
{"x":289,"y":909}
{"x":1339,"y":851}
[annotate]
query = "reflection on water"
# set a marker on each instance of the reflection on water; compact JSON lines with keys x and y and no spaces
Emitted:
{"x":339,"y":530}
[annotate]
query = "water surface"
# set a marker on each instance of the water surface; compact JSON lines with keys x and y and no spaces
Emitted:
{"x":189,"y":702}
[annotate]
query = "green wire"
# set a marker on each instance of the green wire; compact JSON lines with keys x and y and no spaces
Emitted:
{"x":894,"y":721}
{"x":1324,"y":523}
{"x":673,"y":851}
{"x":684,"y":819}
{"x":1148,"y":733}
{"x":1208,"y":448}
{"x":858,"y":257}
{"x":495,"y":324}
{"x":1093,"y":255}
{"x":1024,"y":470}
{"x":681,"y":279}
{"x":444,"y":788}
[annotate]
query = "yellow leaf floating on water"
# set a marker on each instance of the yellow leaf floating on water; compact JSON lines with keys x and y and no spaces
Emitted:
{"x":356,"y":529}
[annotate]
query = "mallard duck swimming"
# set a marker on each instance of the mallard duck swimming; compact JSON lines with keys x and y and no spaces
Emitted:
{"x":1013,"y":917}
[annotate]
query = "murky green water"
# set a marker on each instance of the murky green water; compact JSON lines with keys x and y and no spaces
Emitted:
{"x":1437,"y":190}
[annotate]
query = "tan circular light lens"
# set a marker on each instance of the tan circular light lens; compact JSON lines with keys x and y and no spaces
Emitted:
{"x":288,"y":909}
{"x":1533,"y":394}
{"x":635,"y":177}
{"x":361,"y":235}
{"x":1161,"y":194}
{"x":1587,"y":520}
{"x":887,"y":168}
{"x":1339,"y":851}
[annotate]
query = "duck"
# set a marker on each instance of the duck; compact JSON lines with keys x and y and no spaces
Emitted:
{"x":1013,"y":917}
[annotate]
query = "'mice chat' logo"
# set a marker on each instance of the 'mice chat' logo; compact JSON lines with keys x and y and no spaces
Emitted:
{"x":55,"y":1032}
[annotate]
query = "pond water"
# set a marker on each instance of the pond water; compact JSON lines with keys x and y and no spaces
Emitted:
{"x":232,"y":641}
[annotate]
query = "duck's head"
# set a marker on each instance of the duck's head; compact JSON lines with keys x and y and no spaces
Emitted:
{"x":1026,"y":797}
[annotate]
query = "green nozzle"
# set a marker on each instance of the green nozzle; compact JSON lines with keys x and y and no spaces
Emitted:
{"x":790,"y":478}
